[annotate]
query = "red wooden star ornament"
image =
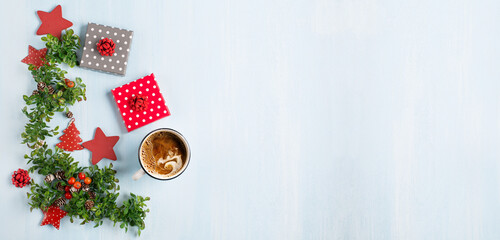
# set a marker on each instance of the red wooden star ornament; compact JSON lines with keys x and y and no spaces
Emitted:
{"x":52,"y":22}
{"x":53,"y":216}
{"x":35,"y":57}
{"x":101,"y":146}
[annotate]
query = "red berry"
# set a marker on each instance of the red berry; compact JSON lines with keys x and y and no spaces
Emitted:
{"x":66,"y":189}
{"x":68,"y":195}
{"x":71,"y":180}
{"x":81,"y":176}
{"x":70,"y":84}
{"x":88,"y":180}
{"x":77,"y":185}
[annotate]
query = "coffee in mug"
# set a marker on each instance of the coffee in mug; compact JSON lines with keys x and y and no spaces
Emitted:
{"x":163,"y":154}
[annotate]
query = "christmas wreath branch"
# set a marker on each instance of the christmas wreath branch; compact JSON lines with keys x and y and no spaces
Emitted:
{"x":55,"y":93}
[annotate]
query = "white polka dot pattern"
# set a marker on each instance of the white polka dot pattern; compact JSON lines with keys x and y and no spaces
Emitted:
{"x":157,"y":109}
{"x":95,"y":32}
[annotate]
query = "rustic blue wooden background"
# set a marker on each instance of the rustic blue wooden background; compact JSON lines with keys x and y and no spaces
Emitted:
{"x":308,"y":119}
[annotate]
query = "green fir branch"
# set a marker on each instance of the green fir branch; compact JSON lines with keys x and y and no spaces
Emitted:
{"x":40,"y":109}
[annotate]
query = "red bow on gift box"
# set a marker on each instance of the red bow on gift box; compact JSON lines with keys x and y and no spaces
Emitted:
{"x":139,"y":103}
{"x":106,"y":47}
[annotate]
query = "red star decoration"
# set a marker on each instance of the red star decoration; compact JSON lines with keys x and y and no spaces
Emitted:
{"x":35,"y":57}
{"x":101,"y":146}
{"x":53,"y":216}
{"x":52,"y":22}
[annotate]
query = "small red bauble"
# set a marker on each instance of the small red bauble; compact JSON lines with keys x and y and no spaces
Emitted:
{"x":67,"y":188}
{"x":106,"y":47}
{"x":20,"y":178}
{"x":88,"y":180}
{"x":81,"y":176}
{"x":71,"y":180}
{"x":77,"y":185}
{"x":68,"y":195}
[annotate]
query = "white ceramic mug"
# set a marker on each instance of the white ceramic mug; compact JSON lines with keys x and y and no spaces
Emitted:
{"x":137,"y":175}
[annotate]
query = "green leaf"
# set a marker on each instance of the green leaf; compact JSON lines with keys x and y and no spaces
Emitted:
{"x":39,"y":110}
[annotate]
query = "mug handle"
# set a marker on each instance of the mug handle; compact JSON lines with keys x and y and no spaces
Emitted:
{"x":137,"y":175}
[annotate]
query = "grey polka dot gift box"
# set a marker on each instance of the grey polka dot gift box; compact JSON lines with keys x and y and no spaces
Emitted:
{"x":92,"y":58}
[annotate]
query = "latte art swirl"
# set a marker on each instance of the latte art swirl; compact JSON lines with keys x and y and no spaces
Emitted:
{"x":162,"y":155}
{"x":173,"y":162}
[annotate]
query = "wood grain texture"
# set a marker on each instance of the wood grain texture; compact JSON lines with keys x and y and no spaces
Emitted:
{"x":317,"y":119}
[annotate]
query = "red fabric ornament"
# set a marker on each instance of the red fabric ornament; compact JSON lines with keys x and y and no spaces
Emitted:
{"x":35,"y":57}
{"x":70,"y":139}
{"x":20,"y":178}
{"x":106,"y":47}
{"x":52,"y":22}
{"x":139,"y":102}
{"x":101,"y":146}
{"x":53,"y":216}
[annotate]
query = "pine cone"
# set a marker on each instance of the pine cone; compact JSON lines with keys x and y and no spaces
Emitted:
{"x":92,"y":195}
{"x":38,"y":144}
{"x":49,"y":178}
{"x":139,"y":102}
{"x":73,"y":189}
{"x":69,"y":114}
{"x":59,"y":202}
{"x":89,"y":204}
{"x":85,"y":187}
{"x":35,"y":92}
{"x":60,"y":175}
{"x":106,"y":47}
{"x":51,"y":89}
{"x":41,"y":86}
{"x":60,"y":187}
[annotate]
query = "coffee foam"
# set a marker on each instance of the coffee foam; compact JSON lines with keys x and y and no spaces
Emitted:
{"x":163,"y":155}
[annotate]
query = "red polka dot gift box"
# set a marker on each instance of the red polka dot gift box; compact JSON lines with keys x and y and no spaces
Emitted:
{"x":140,"y":102}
